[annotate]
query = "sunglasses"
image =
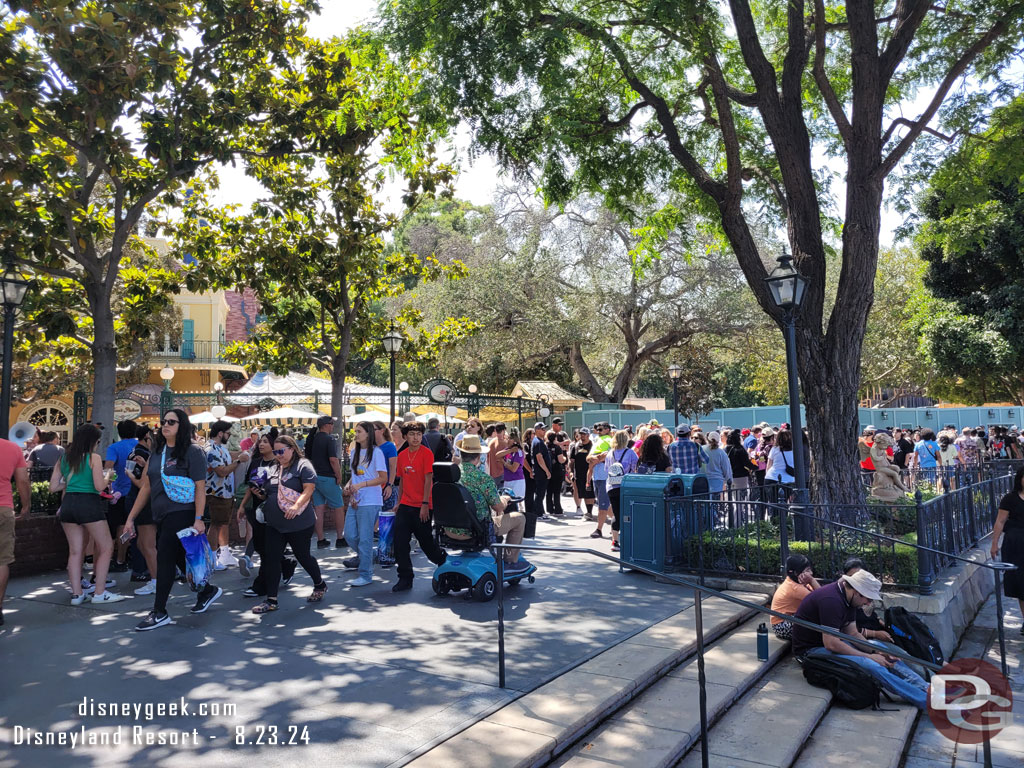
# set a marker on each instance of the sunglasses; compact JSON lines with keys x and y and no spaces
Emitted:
{"x":165,"y":422}
{"x":279,"y":451}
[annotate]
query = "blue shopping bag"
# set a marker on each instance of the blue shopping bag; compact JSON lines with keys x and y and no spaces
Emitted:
{"x":198,"y":558}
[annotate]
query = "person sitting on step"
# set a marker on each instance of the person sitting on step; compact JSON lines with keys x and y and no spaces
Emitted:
{"x":797,"y":585}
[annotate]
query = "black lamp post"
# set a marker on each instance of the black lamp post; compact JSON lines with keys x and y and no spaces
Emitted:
{"x":12,"y":290}
{"x":675,"y":373}
{"x":787,"y":288}
{"x":392,"y":344}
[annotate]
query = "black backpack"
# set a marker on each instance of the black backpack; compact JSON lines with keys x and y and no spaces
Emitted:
{"x":912,"y":635}
{"x":850,"y":685}
{"x":443,"y":450}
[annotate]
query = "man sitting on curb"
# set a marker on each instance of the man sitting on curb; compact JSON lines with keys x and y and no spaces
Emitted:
{"x":835,"y":606}
{"x":511,"y":525}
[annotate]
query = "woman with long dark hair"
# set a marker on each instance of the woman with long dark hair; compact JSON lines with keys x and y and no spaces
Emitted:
{"x":175,"y":487}
{"x":80,"y":475}
{"x":1010,"y":525}
{"x":780,"y":468}
{"x":290,"y":518}
{"x":365,"y":491}
{"x":653,"y":457}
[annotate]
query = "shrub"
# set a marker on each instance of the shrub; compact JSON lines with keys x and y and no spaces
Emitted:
{"x":43,"y":502}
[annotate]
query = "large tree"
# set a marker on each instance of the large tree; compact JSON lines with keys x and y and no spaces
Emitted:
{"x":109,"y":108}
{"x":730,"y":109}
{"x":312,"y":249}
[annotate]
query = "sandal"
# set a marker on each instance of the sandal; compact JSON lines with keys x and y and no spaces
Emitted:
{"x":318,"y":593}
{"x":265,"y":607}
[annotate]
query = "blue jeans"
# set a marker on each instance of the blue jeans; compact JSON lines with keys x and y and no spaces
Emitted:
{"x":901,"y":680}
{"x":359,"y":525}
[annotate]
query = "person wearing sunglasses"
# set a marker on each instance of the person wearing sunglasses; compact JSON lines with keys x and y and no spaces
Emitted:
{"x":175,"y":487}
{"x":290,"y":518}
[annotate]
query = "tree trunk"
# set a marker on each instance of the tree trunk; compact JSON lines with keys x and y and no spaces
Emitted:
{"x":104,"y":362}
{"x":339,"y":371}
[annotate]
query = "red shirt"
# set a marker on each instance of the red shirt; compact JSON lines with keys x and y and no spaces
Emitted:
{"x":413,"y":467}
{"x":11,"y":458}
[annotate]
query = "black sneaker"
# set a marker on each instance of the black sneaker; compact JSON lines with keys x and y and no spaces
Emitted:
{"x":116,"y":567}
{"x":322,"y":544}
{"x":340,"y":543}
{"x":350,"y":562}
{"x":402,"y":585}
{"x":288,"y":570}
{"x":143,"y":577}
{"x":206,"y":598}
{"x":153,"y":621}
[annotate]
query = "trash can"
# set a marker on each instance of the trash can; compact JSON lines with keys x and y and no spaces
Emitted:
{"x":657,"y":514}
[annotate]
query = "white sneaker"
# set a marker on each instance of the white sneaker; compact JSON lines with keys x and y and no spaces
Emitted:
{"x":362,"y":581}
{"x":109,"y":597}
{"x":79,"y":599}
{"x":226,"y":558}
{"x":148,"y":588}
{"x":219,"y":566}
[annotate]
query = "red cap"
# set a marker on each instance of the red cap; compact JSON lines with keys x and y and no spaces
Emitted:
{"x":744,"y":432}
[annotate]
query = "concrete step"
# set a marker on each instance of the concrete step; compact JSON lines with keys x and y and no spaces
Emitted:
{"x":535,"y":728}
{"x":769,"y":725}
{"x":657,"y":728}
{"x":849,"y":738}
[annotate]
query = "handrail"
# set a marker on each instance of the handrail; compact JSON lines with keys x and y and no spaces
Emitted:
{"x":697,"y":588}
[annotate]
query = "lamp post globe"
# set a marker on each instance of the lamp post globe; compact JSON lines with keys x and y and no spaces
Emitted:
{"x":219,"y":411}
{"x":675,"y":373}
{"x":392,"y":341}
{"x":13,"y":288}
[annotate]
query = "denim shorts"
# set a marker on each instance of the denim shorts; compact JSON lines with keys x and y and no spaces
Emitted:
{"x":327,"y":492}
{"x":601,"y":491}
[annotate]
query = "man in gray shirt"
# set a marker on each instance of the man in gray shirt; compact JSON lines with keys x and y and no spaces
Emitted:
{"x":47,"y":453}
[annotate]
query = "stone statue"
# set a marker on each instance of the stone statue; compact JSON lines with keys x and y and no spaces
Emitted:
{"x":887,"y":484}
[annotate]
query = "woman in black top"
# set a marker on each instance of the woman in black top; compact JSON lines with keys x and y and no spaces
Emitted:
{"x":289,"y":520}
{"x":1010,"y":525}
{"x":742,"y":467}
{"x":652,"y":455}
{"x":173,"y":455}
{"x":558,"y":459}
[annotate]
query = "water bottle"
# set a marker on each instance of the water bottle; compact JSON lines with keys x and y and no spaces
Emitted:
{"x":762,"y":642}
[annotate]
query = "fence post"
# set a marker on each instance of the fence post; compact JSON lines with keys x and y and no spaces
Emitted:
{"x":784,"y":534}
{"x":925,"y":577}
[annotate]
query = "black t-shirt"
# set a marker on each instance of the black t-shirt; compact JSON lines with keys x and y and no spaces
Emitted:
{"x":826,"y":606}
{"x":133,"y":493}
{"x":578,"y":456}
{"x":298,"y":474}
{"x":320,"y":453}
{"x":556,"y":450}
{"x":540,"y":448}
{"x":739,"y":460}
{"x":662,"y":464}
{"x":900,"y":451}
{"x":1014,"y":504}
{"x":193,"y":466}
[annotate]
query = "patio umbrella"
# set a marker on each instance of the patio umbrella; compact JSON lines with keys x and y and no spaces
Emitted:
{"x":371,"y":415}
{"x":208,"y":418}
{"x":282,"y":417}
{"x":423,"y":418}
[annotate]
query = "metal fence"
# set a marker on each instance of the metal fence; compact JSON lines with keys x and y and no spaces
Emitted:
{"x":745,"y":534}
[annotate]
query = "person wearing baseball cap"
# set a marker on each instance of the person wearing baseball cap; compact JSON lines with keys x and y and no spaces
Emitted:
{"x":835,"y":606}
{"x":322,"y":451}
{"x":686,"y":456}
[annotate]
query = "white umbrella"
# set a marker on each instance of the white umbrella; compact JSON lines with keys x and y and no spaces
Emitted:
{"x":370,"y":416}
{"x":282,"y":417}
{"x":423,"y":418}
{"x":208,"y":418}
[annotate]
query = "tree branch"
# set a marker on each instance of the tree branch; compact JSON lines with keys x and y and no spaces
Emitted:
{"x":909,"y":16}
{"x":949,"y":138}
{"x":954,"y":73}
{"x":821,"y":77}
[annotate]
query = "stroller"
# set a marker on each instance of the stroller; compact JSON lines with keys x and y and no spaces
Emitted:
{"x":475,"y":568}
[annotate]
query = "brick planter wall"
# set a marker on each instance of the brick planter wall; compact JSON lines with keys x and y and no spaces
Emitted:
{"x":39,"y":546}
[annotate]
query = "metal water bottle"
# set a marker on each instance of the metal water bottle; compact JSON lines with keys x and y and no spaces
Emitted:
{"x":762,"y":643}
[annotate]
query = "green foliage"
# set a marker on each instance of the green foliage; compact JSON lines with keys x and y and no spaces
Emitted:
{"x":42,"y":500}
{"x":313,"y":249}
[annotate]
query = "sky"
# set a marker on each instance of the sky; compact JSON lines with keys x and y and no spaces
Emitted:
{"x":477,"y":181}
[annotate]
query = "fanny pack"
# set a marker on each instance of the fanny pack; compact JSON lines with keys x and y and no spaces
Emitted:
{"x":286,"y":497}
{"x":180,"y":490}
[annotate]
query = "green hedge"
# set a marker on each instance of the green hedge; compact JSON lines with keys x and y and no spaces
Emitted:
{"x":42,"y":500}
{"x":892,"y":566}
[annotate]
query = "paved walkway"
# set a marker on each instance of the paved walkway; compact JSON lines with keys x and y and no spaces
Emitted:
{"x":373,"y":677}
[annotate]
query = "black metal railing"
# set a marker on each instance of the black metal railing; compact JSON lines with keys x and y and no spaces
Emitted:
{"x":192,"y":351}
{"x":699,"y":590}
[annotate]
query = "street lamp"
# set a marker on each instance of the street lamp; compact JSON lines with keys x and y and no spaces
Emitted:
{"x":449,"y":413}
{"x":675,"y":373}
{"x":218,"y":387}
{"x":167,"y":374}
{"x":166,"y":396}
{"x":218,"y":411}
{"x":787,"y":288}
{"x":392,"y":344}
{"x":13,"y":288}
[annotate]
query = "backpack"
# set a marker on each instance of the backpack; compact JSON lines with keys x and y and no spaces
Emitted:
{"x":850,"y":685}
{"x":912,"y":635}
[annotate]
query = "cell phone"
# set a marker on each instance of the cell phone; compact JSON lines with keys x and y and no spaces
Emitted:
{"x":127,"y":536}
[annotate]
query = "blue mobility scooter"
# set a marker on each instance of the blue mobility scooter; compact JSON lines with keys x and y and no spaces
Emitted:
{"x":474,"y":568}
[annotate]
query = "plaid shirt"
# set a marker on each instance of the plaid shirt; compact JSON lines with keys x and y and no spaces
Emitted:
{"x":686,"y":456}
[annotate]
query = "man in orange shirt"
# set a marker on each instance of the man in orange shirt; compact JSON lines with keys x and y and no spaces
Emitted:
{"x":12,"y":467}
{"x":412,"y":517}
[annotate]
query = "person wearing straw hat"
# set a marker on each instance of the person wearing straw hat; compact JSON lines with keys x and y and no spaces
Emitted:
{"x":511,"y":525}
{"x":835,"y":606}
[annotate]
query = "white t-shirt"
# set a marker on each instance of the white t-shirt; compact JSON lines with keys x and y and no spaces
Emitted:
{"x":371,"y":495}
{"x":778,"y":468}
